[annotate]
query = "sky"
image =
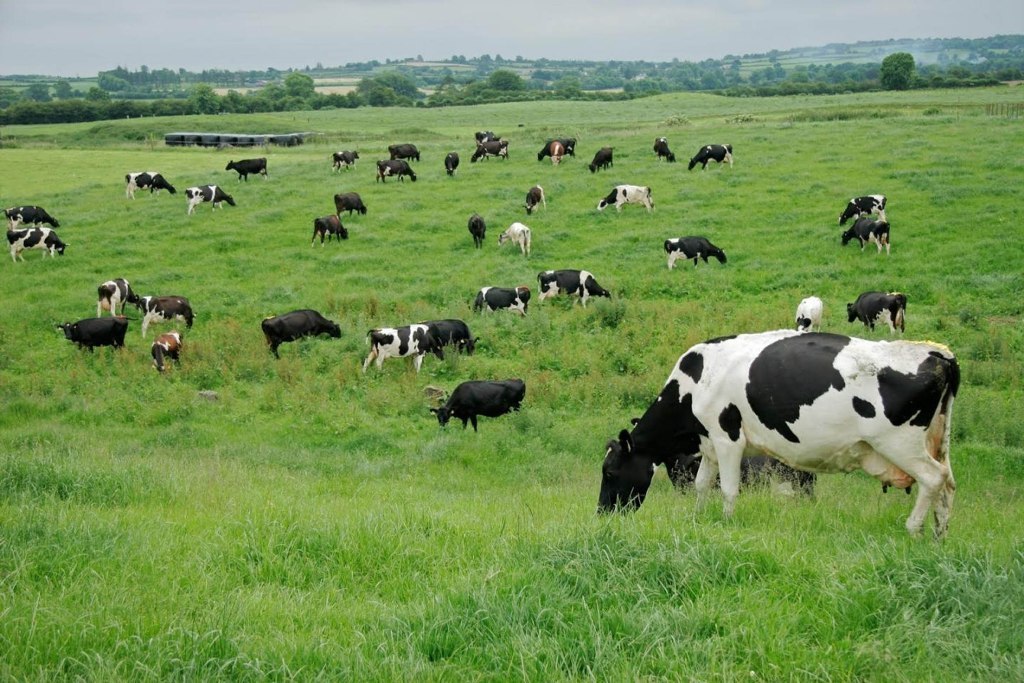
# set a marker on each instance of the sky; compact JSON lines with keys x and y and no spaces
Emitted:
{"x":82,"y":37}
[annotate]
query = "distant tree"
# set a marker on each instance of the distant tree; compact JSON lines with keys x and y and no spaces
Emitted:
{"x":97,"y":94}
{"x":8,"y":96}
{"x":299,"y":85}
{"x":37,"y":92}
{"x":897,"y":71}
{"x":567,"y":86}
{"x":203,"y":99}
{"x":62,"y":90}
{"x":112,"y":83}
{"x":505,"y":81}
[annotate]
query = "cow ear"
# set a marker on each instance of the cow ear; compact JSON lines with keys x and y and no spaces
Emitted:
{"x":626,"y":441}
{"x":434,"y":410}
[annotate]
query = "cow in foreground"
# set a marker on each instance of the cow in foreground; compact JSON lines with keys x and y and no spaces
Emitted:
{"x":817,"y":402}
{"x":454,"y":333}
{"x":160,"y":309}
{"x":691,"y":248}
{"x":397,"y":168}
{"x":481,"y":397}
{"x":28,"y":215}
{"x":534,"y":198}
{"x":517,"y":233}
{"x":862,"y":206}
{"x":92,"y":332}
{"x":602,"y":160}
{"x":44,"y":239}
{"x":718,"y":153}
{"x":627,"y":194}
{"x":207,"y":193}
{"x":114,"y":293}
{"x":808,"y":314}
{"x":327,"y":227}
{"x":662,"y":151}
{"x":405,"y":151}
{"x":503,"y":299}
{"x":867,"y":230}
{"x":246,"y":166}
{"x":871,"y":307}
{"x":478,"y":229}
{"x":295,"y":325}
{"x":146,"y":180}
{"x":167,"y":345}
{"x":491,"y":148}
{"x":578,"y":283}
{"x":413,"y":341}
{"x":451,"y":163}
{"x":349,"y":201}
{"x":343,"y":159}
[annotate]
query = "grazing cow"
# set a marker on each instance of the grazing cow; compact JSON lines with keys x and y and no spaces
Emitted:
{"x":517,"y":233}
{"x":662,"y":150}
{"x":860,"y":206}
{"x":34,"y":238}
{"x":817,"y":402}
{"x":485,"y":136}
{"x":29,"y":215}
{"x":167,"y":345}
{"x":535,"y":197}
{"x":602,"y":160}
{"x":719,"y":153}
{"x":491,"y":148}
{"x":808,"y":314}
{"x":146,"y":180}
{"x":568,"y":146}
{"x":404,"y":152}
{"x":481,"y":398}
{"x":627,"y":194}
{"x":452,"y":332}
{"x":691,"y":248}
{"x":92,"y":332}
{"x":503,"y":298}
{"x":114,"y":293}
{"x":402,"y":342}
{"x":867,"y":230}
{"x":246,"y":166}
{"x":344,"y":159}
{"x":451,"y":162}
{"x":557,"y":152}
{"x":207,"y":193}
{"x":349,"y":201}
{"x":296,"y":325}
{"x":578,"y":283}
{"x":157,"y":309}
{"x":327,"y":227}
{"x":477,"y":228}
{"x":398,"y":168}
{"x":872,"y":306}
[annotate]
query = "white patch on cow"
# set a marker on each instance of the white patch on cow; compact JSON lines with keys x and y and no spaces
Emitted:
{"x":808,"y":314}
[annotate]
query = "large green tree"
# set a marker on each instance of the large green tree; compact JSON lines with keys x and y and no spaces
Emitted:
{"x":897,"y":72}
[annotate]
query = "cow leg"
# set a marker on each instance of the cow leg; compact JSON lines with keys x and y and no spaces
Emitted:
{"x":707,"y":473}
{"x":730,"y":456}
{"x":672,"y":260}
{"x":366,"y":363}
{"x":418,"y":361}
{"x":472,"y":418}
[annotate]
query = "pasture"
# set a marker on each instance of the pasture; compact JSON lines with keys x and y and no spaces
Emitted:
{"x":314,"y":521}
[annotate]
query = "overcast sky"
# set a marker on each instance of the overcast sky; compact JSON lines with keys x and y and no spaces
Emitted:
{"x":83,"y":37}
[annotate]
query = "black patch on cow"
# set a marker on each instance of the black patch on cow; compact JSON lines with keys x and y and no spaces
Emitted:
{"x":404,"y":333}
{"x":791,"y":373}
{"x":669,"y":429}
{"x":914,"y":397}
{"x":730,"y":421}
{"x":692,"y":364}
{"x":719,"y":340}
{"x":862,"y":407}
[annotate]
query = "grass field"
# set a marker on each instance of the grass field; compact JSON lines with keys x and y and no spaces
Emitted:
{"x":315,"y":522}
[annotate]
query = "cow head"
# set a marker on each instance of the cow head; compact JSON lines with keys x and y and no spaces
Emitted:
{"x":849,"y":212}
{"x":625,"y":476}
{"x":468,"y":345}
{"x":68,"y":329}
{"x":443,"y":415}
{"x":333,"y":329}
{"x":847,"y":235}
{"x":851,"y":312}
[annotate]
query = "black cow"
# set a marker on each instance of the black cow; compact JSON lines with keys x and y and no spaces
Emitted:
{"x":534,"y":198}
{"x":113,"y":293}
{"x":246,"y":166}
{"x":691,"y":248}
{"x":481,"y":397}
{"x":29,"y":215}
{"x":602,"y":160}
{"x":662,"y":150}
{"x":502,"y":298}
{"x":327,"y":227}
{"x":398,"y":168}
{"x":869,"y":307}
{"x":295,"y":325}
{"x":578,"y":283}
{"x":491,"y":148}
{"x":34,"y":238}
{"x":207,"y":193}
{"x":859,"y":206}
{"x":485,"y":135}
{"x":454,"y":333}
{"x":451,"y":162}
{"x":163,"y":309}
{"x":147,"y":180}
{"x":349,"y":201}
{"x":865,"y":230}
{"x":478,"y":229}
{"x":568,"y":147}
{"x":166,"y":345}
{"x":404,"y":152}
{"x":345,"y":159}
{"x":719,"y":153}
{"x":93,"y":332}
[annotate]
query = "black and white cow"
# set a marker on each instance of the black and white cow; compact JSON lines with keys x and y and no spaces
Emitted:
{"x":246,"y":166}
{"x":691,"y":248}
{"x":719,"y":153}
{"x":872,"y":307}
{"x":92,"y":332}
{"x":517,"y":233}
{"x":398,"y":168}
{"x":451,"y":163}
{"x":167,"y":345}
{"x":481,"y":398}
{"x":866,"y":230}
{"x":349,"y":201}
{"x":34,"y":238}
{"x":146,"y":180}
{"x":578,"y":283}
{"x":327,"y":227}
{"x":491,"y":148}
{"x":478,"y":229}
{"x":159,"y":309}
{"x":602,"y":160}
{"x":502,"y":299}
{"x":808,"y":314}
{"x":114,"y":293}
{"x":627,"y":194}
{"x":662,"y":151}
{"x":861,"y":206}
{"x":207,"y":193}
{"x":534,"y":198}
{"x":817,"y":402}
{"x":454,"y":333}
{"x":413,"y":341}
{"x":485,"y":135}
{"x":404,"y":152}
{"x":344,"y":159}
{"x":29,"y":215}
{"x":566,"y":146}
{"x":296,"y":325}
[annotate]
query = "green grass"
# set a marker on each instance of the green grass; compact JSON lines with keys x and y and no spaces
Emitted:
{"x":314,"y":522}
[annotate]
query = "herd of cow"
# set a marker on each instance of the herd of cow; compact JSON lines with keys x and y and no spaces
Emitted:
{"x":812,"y":401}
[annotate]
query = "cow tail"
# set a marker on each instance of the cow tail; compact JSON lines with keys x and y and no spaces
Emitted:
{"x":939,"y":430}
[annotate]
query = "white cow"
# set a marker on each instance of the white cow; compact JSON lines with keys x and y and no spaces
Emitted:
{"x":627,"y":194}
{"x":808,"y":314}
{"x":401,"y":342}
{"x":517,"y":233}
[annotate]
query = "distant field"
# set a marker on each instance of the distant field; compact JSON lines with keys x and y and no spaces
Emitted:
{"x":315,"y":522}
